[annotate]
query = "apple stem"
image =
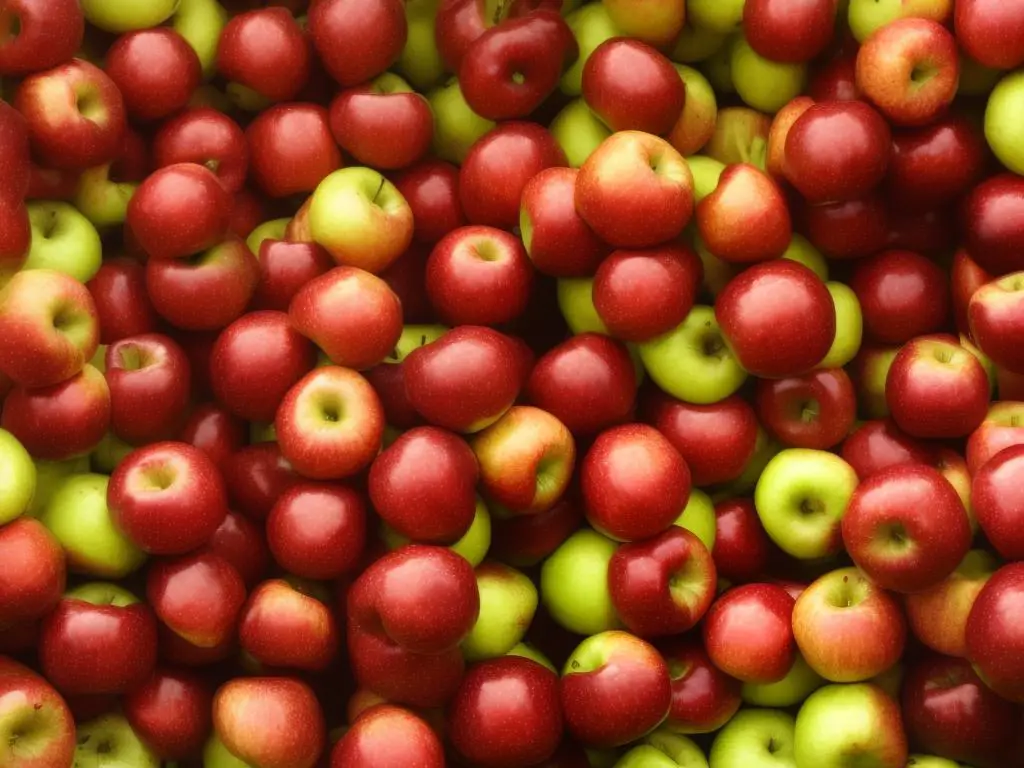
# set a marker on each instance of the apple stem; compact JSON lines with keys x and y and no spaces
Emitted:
{"x":379,"y":189}
{"x":499,"y":12}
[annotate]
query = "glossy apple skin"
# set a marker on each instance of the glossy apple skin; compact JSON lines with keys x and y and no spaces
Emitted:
{"x":837,"y":150}
{"x":357,"y":40}
{"x":37,"y":575}
{"x":207,"y":137}
{"x":317,"y":530}
{"x":386,"y":736}
{"x":631,"y":86}
{"x":965,"y":277}
{"x":381,"y":128}
{"x":97,"y":649}
{"x":149,"y":377}
{"x":991,"y":31}
{"x":465,"y":380}
{"x":998,"y":502}
{"x":994,"y":636}
{"x":995,"y":314}
{"x":745,"y":218}
{"x":742,"y":547}
{"x":243,"y":544}
{"x":198,"y":597}
{"x":1003,"y":427}
{"x":20,"y":688}
{"x":902,"y":295}
{"x":266,"y":51}
{"x":283,"y":627}
{"x":948,"y":711}
{"x":786,"y":31}
{"x":766,"y":314}
{"x":526,"y":540}
{"x":291,"y":149}
{"x":156,"y":71}
{"x":424,"y":485}
{"x":498,"y":167}
{"x":431,"y":187}
{"x":170,"y":711}
{"x":16,"y":165}
{"x":213,"y":430}
{"x":634,"y":482}
{"x":879,"y":445}
{"x":703,"y":697}
{"x":624,"y":695}
{"x":992,"y":214}
{"x":479,"y":275}
{"x":255,"y":476}
{"x":284,"y":269}
{"x":503,"y":692}
{"x":848,"y":230}
{"x":816,"y":410}
{"x":641,"y":577}
{"x":766,"y":657}
{"x":49,"y":33}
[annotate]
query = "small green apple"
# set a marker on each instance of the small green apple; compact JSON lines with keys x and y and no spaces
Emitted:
{"x":847,"y":725}
{"x":17,"y":478}
{"x":109,"y":453}
{"x":764,"y":84}
{"x":200,"y":22}
{"x":578,"y":131}
{"x":1004,"y":116}
{"x":722,"y":16}
{"x":801,"y":250}
{"x":698,"y":517}
{"x":127,"y":15}
{"x":801,"y":498}
{"x":866,"y":16}
{"x":473,"y":545}
{"x":755,"y":738}
{"x":799,"y":683}
{"x":683,"y":750}
{"x":592,"y":25}
{"x":692,"y":362}
{"x":527,"y":651}
{"x":102,"y":200}
{"x":874,"y":370}
{"x":216,"y":755}
{"x":602,"y":758}
{"x":717,"y":271}
{"x":413,"y":337}
{"x":696,"y":44}
{"x":696,"y":125}
{"x":420,"y":61}
{"x":77,"y":514}
{"x":49,"y":475}
{"x":456,"y":126}
{"x":717,"y":67}
{"x":109,"y":742}
{"x":268,"y":230}
{"x":63,"y":240}
{"x":706,"y":172}
{"x":574,"y":583}
{"x":508,"y":601}
{"x":849,"y":326}
{"x":576,"y":300}
{"x":646,"y":756}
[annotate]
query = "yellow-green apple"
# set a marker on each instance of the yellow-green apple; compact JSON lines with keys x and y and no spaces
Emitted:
{"x":788,"y":298}
{"x":703,"y":697}
{"x":576,"y":302}
{"x":508,"y":601}
{"x":360,"y":218}
{"x":286,"y":625}
{"x":717,"y":68}
{"x":198,"y":597}
{"x":755,"y":738}
{"x":149,"y":377}
{"x":938,"y":616}
{"x":48,"y":327}
{"x":371,"y":34}
{"x":867,"y":16}
{"x":991,"y":32}
{"x":741,"y":136}
{"x":692,"y":361}
{"x":574,"y":583}
{"x":526,"y":459}
{"x":635,"y":190}
{"x":330,"y":424}
{"x":906,"y":528}
{"x":799,"y":683}
{"x":696,"y":123}
{"x":37,"y":571}
{"x":996,"y":311}
{"x":387,"y":736}
{"x":18,"y":477}
{"x":994,"y":641}
{"x":592,"y":25}
{"x":127,"y":16}
{"x":265,"y":721}
{"x":577,"y":130}
{"x":557,"y":240}
{"x":99,"y":639}
{"x":456,"y":126}
{"x":715,"y":15}
{"x":420,"y":61}
{"x":109,"y":738}
{"x":764,"y":84}
{"x":1003,"y":427}
{"x":63,"y":240}
{"x":615,"y":688}
{"x":816,"y":410}
{"x":170,"y":712}
{"x":848,"y":629}
{"x":745,"y":219}
{"x":764,"y":656}
{"x":782,"y":123}
{"x":662,"y":749}
{"x":695,"y":44}
{"x":849,"y":326}
{"x":316,"y":530}
{"x":869,"y":370}
{"x":864,"y":725}
{"x":698,"y":517}
{"x":909,"y":69}
{"x":656,"y":22}
{"x":102,"y":199}
{"x":1004,"y":107}
{"x":793,"y":32}
{"x":36,"y":726}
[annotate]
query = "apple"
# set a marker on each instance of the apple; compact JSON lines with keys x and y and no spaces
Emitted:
{"x":574,"y":583}
{"x":745,"y":219}
{"x":63,"y":240}
{"x":156,"y":71}
{"x":762,"y":657}
{"x":386,"y":736}
{"x":993,"y":496}
{"x":431,"y":187}
{"x":286,"y":625}
{"x":792,"y":33}
{"x":291,"y":149}
{"x":213,"y":430}
{"x":741,"y":547}
{"x":871,"y":729}
{"x":994,"y":314}
{"x":781,"y":125}
{"x":879,"y":445}
{"x":206,"y":137}
{"x":456,"y":126}
{"x":848,"y":230}
{"x":508,"y":601}
{"x":703,"y":697}
{"x":816,"y":410}
{"x":764,"y":84}
{"x":992,"y":638}
{"x":170,"y":712}
{"x":990,"y":32}
{"x":909,"y":69}
{"x":799,"y":683}
{"x":991,"y":211}
{"x":755,"y":738}
{"x":919,"y":305}
{"x":664,"y":750}
{"x":42,"y":35}
{"x":18,"y":478}
{"x":577,"y":129}
{"x":36,"y":726}
{"x":1002,"y":428}
{"x":108,"y":738}
{"x":867,"y":16}
{"x":591,"y":24}
{"x":848,"y":629}
{"x":615,"y":688}
{"x":741,"y":136}
{"x":936,"y":164}
{"x":118,"y":292}
{"x":264,"y":56}
{"x":526,"y":540}
{"x":376,"y":30}
{"x":696,"y":124}
{"x":651,"y":199}
{"x":420,"y":60}
{"x":37,"y":573}
{"x":148,"y":376}
{"x":657,"y":23}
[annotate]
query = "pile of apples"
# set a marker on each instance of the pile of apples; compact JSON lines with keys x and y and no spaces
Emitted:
{"x":512,"y":383}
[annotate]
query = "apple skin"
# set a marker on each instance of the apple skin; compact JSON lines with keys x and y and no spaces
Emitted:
{"x":656,"y":23}
{"x":243,"y":544}
{"x":213,"y":430}
{"x":376,"y":30}
{"x":17,"y":239}
{"x":991,"y":214}
{"x":653,"y":185}
{"x":816,"y":410}
{"x":763,"y":658}
{"x":291,"y":149}
{"x":782,"y":124}
{"x":574,"y":583}
{"x":938,"y":616}
{"x":47,"y":34}
{"x":902,"y":295}
{"x":909,"y":69}
{"x":993,"y":639}
{"x":837,"y":150}
{"x":497,"y":693}
{"x":284,"y":269}
{"x":761,"y":737}
{"x":788,"y":32}
{"x":34,"y":711}
{"x":634,"y":482}
{"x":990,"y":32}
{"x":781,"y":295}
{"x":761,"y":83}
{"x":423,"y":485}
{"x":615,"y":688}
{"x":98,"y":640}
{"x":156,"y":71}
{"x":149,"y":377}
{"x":879,"y":445}
{"x":431,"y":187}
{"x":703,"y":697}
{"x":965,"y":277}
{"x":558,"y":241}
{"x":55,"y":226}
{"x":848,"y":230}
{"x":1003,"y":427}
{"x":264,"y":55}
{"x":48,"y":328}
{"x":171,"y":712}
{"x":848,"y":629}
{"x":119,"y":293}
{"x":269,"y":721}
{"x":994,"y":313}
{"x":996,"y":501}
{"x":386,"y":736}
{"x":38,"y":573}
{"x":527,"y":540}
{"x":742,"y":548}
{"x":206,"y":137}
{"x":285,"y":626}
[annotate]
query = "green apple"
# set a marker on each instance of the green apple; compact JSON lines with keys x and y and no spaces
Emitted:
{"x":929,"y":761}
{"x":508,"y":601}
{"x":975,"y":78}
{"x":698,"y":517}
{"x":764,"y":84}
{"x":578,"y":131}
{"x":646,"y":756}
{"x":799,"y":683}
{"x":574,"y":583}
{"x":873,"y":372}
{"x":17,"y":478}
{"x":127,"y":15}
{"x":706,"y":172}
{"x":850,"y":725}
{"x":103,"y":593}
{"x":216,"y":755}
{"x":420,"y":61}
{"x":108,"y":741}
{"x":456,"y":126}
{"x":200,"y":22}
{"x":576,"y":300}
{"x":755,"y":738}
{"x":696,"y":44}
{"x":49,"y":475}
{"x":1004,"y":116}
{"x":77,"y":514}
{"x":692,"y":362}
{"x":717,"y":272}
{"x":741,"y":136}
{"x":413,"y":337}
{"x":849,"y":326}
{"x":527,"y":651}
{"x":109,"y":453}
{"x":865,"y":16}
{"x":102,"y":200}
{"x":696,"y":125}
{"x":801,"y":250}
{"x":722,"y":16}
{"x":268,"y":230}
{"x":473,"y":545}
{"x":591,"y":25}
{"x":63,"y":240}
{"x":717,"y":67}
{"x":209,"y":95}
{"x":801,"y":498}
{"x":683,"y":750}
{"x":766,"y":448}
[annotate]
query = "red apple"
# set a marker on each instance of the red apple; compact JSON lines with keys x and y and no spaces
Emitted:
{"x":170,"y":712}
{"x":850,"y":229}
{"x":39,"y":34}
{"x":198,"y":597}
{"x":243,"y":544}
{"x":992,"y":214}
{"x":703,"y":697}
{"x":256,"y":476}
{"x":285,"y":268}
{"x":264,"y":51}
{"x":356,"y":39}
{"x":149,"y":380}
{"x":156,"y":71}
{"x":431,"y":187}
{"x":785,"y":31}
{"x":742,"y":546}
{"x":406,"y":277}
{"x":206,"y":137}
{"x":526,"y":540}
{"x":248,"y":211}
{"x":291,"y":148}
{"x":36,"y":572}
{"x":284,"y":626}
{"x":15,"y":236}
{"x":995,"y":642}
{"x":878,"y":445}
{"x":386,"y":736}
{"x":965,"y":277}
{"x":764,"y":656}
{"x":782,"y":124}
{"x":215,"y":431}
{"x":991,"y":32}
{"x":816,"y":410}
{"x":119,"y":293}
{"x":996,"y":314}
{"x":27,"y":697}
{"x":998,"y":503}
{"x":902,"y":295}
{"x":1003,"y":427}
